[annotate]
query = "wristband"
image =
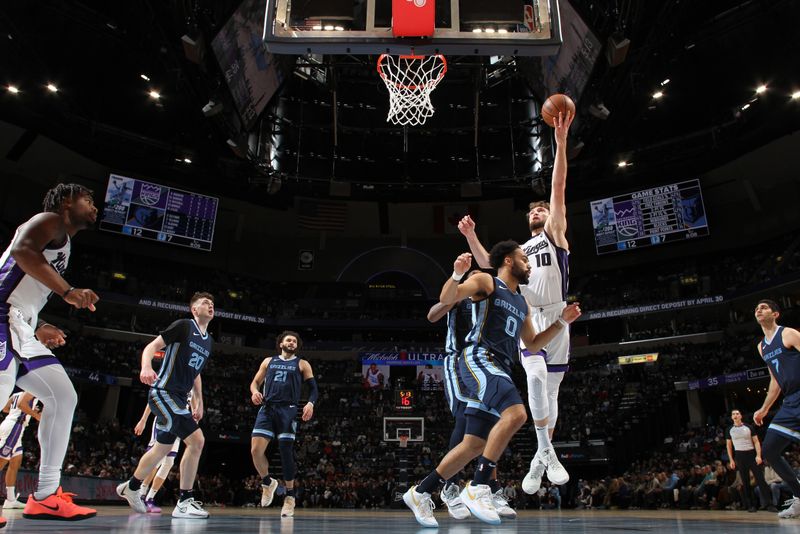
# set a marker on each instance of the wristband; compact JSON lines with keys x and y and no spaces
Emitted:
{"x":562,"y":322}
{"x":67,"y":292}
{"x":457,"y":277}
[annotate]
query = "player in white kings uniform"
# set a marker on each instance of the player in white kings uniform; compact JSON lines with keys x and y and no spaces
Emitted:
{"x":20,"y":408}
{"x":31,"y":270}
{"x":546,"y":293}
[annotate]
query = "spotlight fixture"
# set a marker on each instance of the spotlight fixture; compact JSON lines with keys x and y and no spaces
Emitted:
{"x":476,"y":30}
{"x":155,"y":95}
{"x":745,"y":107}
{"x":657,"y":95}
{"x":52,"y":88}
{"x":13,"y":89}
{"x":145,"y":77}
{"x":622,"y":164}
{"x":665,"y":82}
{"x":187,"y":160}
{"x":761,"y":89}
{"x":796,"y":95}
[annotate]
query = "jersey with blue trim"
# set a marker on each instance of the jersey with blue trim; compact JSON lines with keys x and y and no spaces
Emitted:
{"x":185,"y":355}
{"x":549,"y":278}
{"x":498,"y":322}
{"x":23,"y":291}
{"x":459,"y":323}
{"x":783,"y":362}
{"x":283,"y":381}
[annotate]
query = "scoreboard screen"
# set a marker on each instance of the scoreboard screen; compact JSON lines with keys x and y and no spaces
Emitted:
{"x":404,"y":399}
{"x":664,"y":214}
{"x":151,"y":211}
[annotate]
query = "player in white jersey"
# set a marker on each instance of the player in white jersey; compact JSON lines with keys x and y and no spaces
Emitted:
{"x":373,"y":379}
{"x":20,"y":408}
{"x":546,"y":293}
{"x":31,"y":270}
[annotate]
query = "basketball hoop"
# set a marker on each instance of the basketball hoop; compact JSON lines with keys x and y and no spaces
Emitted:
{"x":403,"y":441}
{"x":410,"y":80}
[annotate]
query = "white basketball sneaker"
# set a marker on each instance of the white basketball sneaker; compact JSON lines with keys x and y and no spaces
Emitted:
{"x":268,"y":492}
{"x":501,"y":505}
{"x":555,"y":471}
{"x":134,"y":498}
{"x":288,"y":507}
{"x":792,"y":511}
{"x":190,"y":509}
{"x":422,"y":506}
{"x":533,"y":480}
{"x":13,"y":504}
{"x":451,"y":499}
{"x":479,"y":501}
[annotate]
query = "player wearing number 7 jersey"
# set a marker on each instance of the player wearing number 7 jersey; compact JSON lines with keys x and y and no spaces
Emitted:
{"x":546,"y":293}
{"x":276,"y":387}
{"x":780,"y":350}
{"x":187,"y":347}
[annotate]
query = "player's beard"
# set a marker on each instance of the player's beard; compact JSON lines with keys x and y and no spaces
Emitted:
{"x":522,"y":275}
{"x":287,"y":350}
{"x":536,"y":225}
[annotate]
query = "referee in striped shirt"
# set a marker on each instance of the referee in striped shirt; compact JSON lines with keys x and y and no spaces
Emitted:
{"x":744,"y":451}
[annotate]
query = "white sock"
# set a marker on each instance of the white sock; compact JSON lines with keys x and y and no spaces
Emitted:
{"x":11,"y":495}
{"x":151,"y":494}
{"x":543,"y":437}
{"x":143,"y":489}
{"x":54,"y":388}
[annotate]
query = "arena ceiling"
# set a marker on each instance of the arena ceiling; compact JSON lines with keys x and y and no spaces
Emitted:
{"x":714,"y":53}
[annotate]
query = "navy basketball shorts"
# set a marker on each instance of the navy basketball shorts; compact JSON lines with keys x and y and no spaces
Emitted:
{"x":276,"y":420}
{"x":487,"y":382}
{"x":173,"y":417}
{"x":787,"y":421}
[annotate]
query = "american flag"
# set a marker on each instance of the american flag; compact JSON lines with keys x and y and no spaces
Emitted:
{"x":321,"y":215}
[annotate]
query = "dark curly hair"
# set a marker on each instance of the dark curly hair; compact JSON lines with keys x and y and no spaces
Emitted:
{"x":55,"y":196}
{"x":285,"y":333}
{"x":500,"y":251}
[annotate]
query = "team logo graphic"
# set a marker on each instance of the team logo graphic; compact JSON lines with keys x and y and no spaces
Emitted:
{"x":419,"y":3}
{"x":150,"y":194}
{"x":628,"y":231}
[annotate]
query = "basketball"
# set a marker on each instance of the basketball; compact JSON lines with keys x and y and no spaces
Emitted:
{"x":553,"y":105}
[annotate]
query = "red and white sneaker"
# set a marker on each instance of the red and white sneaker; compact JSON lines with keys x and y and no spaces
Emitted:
{"x":2,"y":522}
{"x":58,"y":506}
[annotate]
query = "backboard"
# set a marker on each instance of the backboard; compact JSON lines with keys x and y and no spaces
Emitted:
{"x":395,"y":427}
{"x":462,"y":27}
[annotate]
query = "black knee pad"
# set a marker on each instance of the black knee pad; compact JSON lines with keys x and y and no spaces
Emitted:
{"x":286,"y":447}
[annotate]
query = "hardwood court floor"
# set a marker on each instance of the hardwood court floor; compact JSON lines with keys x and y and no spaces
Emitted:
{"x":118,"y":520}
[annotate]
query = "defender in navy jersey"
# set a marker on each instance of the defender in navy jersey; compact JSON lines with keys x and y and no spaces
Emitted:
{"x":780,"y":350}
{"x":459,"y":324}
{"x":276,"y":388}
{"x":546,"y":292}
{"x":187,"y":348}
{"x":501,"y":319}
{"x":31,"y":271}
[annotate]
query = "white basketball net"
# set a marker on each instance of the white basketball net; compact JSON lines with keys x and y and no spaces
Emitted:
{"x":410,"y":81}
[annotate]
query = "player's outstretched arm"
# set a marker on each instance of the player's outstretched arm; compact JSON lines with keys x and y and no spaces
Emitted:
{"x":313,"y":394}
{"x":27,"y":247}
{"x":147,"y":375}
{"x":25,"y":407}
{"x":534,"y":342}
{"x":255,"y":392}
{"x":438,"y":311}
{"x":467,"y":227}
{"x":773,"y":393}
{"x":556,"y":225}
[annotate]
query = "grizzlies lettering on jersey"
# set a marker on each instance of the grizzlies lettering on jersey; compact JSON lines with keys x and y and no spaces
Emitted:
{"x":549,"y":276}
{"x":497,"y":322}
{"x":185,"y":355}
{"x":783,"y":362}
{"x":283,"y":380}
{"x":23,"y":291}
